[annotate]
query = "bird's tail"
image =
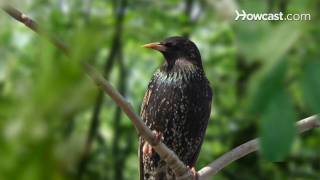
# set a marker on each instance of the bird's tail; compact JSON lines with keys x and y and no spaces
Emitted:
{"x":162,"y":173}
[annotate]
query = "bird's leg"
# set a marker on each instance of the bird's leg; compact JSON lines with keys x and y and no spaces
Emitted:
{"x":147,"y":148}
{"x":158,"y":135}
{"x":194,"y":172}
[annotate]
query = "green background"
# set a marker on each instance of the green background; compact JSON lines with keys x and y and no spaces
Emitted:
{"x":54,"y":123}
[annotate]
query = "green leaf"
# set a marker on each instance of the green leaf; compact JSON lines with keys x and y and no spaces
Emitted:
{"x":311,"y":84}
{"x":261,"y":41}
{"x":277,"y":129}
{"x":266,"y":85}
{"x":249,"y":36}
{"x":279,"y":41}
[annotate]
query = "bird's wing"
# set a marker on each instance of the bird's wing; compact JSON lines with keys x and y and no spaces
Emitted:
{"x":141,"y":140}
{"x":196,"y":154}
{"x":204,"y":118}
{"x":140,"y":155}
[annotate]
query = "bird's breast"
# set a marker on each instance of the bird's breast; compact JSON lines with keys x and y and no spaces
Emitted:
{"x":174,"y":96}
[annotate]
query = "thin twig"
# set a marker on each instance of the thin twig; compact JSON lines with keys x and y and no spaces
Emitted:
{"x":19,"y":16}
{"x":249,"y":147}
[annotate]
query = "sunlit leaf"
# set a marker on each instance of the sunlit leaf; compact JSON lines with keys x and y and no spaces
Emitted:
{"x":278,"y":41}
{"x":259,"y":40}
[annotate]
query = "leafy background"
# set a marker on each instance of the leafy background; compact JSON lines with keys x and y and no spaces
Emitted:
{"x":55,"y":124}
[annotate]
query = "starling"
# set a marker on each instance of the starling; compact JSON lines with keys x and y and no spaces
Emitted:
{"x":177,"y":105}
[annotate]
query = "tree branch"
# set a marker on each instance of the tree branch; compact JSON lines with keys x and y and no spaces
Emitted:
{"x":19,"y":16}
{"x":249,"y":147}
{"x":165,"y":153}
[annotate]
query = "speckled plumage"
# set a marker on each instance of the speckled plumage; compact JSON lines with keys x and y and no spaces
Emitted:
{"x":177,"y":104}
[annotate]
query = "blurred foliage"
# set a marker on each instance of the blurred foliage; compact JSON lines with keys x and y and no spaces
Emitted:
{"x":265,"y":76}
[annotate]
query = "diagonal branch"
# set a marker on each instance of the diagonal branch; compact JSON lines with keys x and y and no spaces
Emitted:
{"x":19,"y":16}
{"x":165,"y":153}
{"x":249,"y":147}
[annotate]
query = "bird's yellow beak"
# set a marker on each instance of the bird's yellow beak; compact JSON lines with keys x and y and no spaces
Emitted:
{"x":156,"y":46}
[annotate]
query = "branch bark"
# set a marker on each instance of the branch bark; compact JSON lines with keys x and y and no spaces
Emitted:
{"x":31,"y":24}
{"x":249,"y":147}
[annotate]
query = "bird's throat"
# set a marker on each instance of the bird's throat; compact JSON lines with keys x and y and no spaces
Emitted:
{"x":180,"y":71}
{"x":177,"y":65}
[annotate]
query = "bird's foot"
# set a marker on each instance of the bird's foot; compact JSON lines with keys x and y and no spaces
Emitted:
{"x":158,"y":135}
{"x":147,"y":148}
{"x":194,"y":172}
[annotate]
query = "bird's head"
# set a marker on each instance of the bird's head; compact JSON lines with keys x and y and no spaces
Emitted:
{"x":177,"y":48}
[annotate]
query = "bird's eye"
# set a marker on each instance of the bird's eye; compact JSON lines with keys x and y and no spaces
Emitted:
{"x":168,"y":44}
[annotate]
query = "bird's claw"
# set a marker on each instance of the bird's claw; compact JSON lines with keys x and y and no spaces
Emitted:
{"x":158,"y":135}
{"x":194,"y":173}
{"x":147,"y":148}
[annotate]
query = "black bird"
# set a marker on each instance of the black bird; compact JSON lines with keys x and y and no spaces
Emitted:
{"x":177,"y":105}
